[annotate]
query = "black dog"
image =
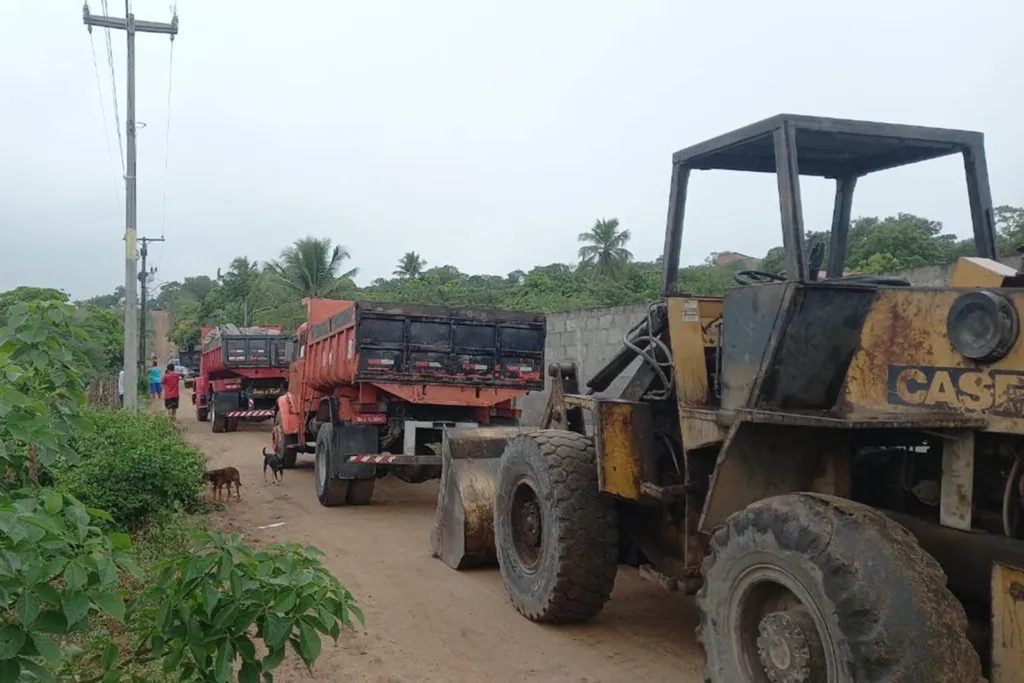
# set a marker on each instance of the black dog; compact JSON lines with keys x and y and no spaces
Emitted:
{"x":273,"y":461}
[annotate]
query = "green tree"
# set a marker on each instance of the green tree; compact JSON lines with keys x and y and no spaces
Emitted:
{"x":1010,"y":226}
{"x":410,"y":265}
{"x":311,"y":267}
{"x":605,"y":247}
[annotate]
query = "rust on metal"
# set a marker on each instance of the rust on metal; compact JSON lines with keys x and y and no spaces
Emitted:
{"x":463,"y":534}
{"x":1007,"y":624}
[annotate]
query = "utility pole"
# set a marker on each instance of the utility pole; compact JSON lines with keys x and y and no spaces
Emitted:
{"x":144,"y":297}
{"x":131,"y":329}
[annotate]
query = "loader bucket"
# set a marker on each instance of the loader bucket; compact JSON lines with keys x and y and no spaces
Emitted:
{"x":463,"y":534}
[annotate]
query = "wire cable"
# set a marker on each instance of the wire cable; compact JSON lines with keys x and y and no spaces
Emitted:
{"x":167,"y":139}
{"x":113,"y":85}
{"x":106,"y":127}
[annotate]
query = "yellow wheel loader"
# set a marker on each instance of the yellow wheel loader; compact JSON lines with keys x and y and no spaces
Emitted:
{"x":833,"y":464}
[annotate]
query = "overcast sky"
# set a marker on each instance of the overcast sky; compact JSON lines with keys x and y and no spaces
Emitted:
{"x":481,"y":134}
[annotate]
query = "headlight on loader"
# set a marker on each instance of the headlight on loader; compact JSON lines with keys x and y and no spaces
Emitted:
{"x":983,"y":325}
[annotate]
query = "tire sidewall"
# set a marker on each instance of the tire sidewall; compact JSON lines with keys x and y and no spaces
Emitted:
{"x":757,"y":548}
{"x":321,"y":460}
{"x":522,"y":462}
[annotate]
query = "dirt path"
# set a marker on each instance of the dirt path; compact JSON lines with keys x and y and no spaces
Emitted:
{"x":165,"y":348}
{"x":426,"y":622}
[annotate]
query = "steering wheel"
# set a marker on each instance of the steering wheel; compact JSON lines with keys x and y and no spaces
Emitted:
{"x":756,"y":277}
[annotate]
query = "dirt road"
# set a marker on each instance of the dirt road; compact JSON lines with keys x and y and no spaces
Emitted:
{"x":426,"y":622}
{"x":165,"y":348}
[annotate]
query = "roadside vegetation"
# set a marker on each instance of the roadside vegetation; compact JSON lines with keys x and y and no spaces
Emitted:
{"x":606,"y":273}
{"x":107,"y":571}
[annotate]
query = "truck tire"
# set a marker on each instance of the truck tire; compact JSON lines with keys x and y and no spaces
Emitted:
{"x":219,"y":424}
{"x":202,"y":414}
{"x":807,"y":587}
{"x":556,"y":535}
{"x":330,"y":491}
{"x":232,"y":424}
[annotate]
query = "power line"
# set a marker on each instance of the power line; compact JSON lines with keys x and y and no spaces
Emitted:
{"x":167,"y":134}
{"x":113,"y":85}
{"x":106,"y":129}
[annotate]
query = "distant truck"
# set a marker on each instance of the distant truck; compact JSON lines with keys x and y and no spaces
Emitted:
{"x":373,"y":386}
{"x":242,"y":372}
{"x":188,"y":364}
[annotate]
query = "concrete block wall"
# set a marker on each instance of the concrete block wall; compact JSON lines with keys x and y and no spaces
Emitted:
{"x":590,"y":337}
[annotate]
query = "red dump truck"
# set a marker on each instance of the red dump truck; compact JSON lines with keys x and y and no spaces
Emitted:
{"x":242,"y":372}
{"x":374,"y":385}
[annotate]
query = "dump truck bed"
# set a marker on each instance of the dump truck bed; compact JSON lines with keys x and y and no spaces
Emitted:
{"x":227,"y":348}
{"x":363,"y":341}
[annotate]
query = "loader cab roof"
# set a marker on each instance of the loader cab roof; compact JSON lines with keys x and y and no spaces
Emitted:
{"x":791,"y":145}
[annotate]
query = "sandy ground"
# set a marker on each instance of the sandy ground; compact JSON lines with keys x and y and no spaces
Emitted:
{"x":426,"y":622}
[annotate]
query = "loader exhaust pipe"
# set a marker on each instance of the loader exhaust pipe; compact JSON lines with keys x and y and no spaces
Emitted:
{"x":463,"y":534}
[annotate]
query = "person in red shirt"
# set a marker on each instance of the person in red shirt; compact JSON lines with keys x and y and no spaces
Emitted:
{"x":171,"y":392}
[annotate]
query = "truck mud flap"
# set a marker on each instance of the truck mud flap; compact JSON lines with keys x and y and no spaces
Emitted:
{"x":352,"y":440}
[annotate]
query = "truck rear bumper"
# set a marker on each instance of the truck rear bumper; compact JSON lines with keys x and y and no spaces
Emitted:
{"x":249,"y":414}
{"x":389,"y":459}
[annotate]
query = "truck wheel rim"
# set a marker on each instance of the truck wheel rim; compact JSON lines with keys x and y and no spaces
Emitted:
{"x":527,"y":523}
{"x":779,"y":633}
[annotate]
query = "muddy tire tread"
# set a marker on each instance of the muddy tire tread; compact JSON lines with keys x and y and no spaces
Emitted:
{"x":587,"y":527}
{"x":810,"y":523}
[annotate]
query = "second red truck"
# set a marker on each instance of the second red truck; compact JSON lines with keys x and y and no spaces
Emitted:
{"x":373,"y":386}
{"x":242,"y":372}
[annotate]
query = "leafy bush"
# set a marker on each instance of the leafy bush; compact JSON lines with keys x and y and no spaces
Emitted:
{"x":132,"y":465}
{"x":71,"y":599}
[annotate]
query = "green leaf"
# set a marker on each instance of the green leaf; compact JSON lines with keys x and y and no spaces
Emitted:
{"x":111,"y":653}
{"x":120,"y":541}
{"x":39,"y":672}
{"x":276,"y":631}
{"x":76,"y":607}
{"x":12,"y":639}
{"x":53,"y":504}
{"x":273,"y":659}
{"x":223,"y":661}
{"x":309,"y":643}
{"x":75,"y":576}
{"x":249,"y":673}
{"x":111,"y":604}
{"x":100,"y":514}
{"x":173,"y":658}
{"x":47,"y":647}
{"x":51,"y":621}
{"x":112,"y":676}
{"x":287,"y":602}
{"x":28,"y":608}
{"x":10,"y":669}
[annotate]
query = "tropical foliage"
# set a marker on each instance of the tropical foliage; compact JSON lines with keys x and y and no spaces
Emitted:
{"x":74,"y":604}
{"x":606,"y":274}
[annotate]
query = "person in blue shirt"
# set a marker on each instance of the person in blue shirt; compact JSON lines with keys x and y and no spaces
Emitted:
{"x":155,"y":390}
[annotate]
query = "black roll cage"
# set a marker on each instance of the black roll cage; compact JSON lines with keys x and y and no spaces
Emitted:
{"x":791,"y":145}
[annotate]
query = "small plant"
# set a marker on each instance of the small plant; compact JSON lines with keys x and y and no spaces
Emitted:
{"x":208,"y":605}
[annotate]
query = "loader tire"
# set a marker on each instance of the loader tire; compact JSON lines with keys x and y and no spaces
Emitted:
{"x":330,"y":491}
{"x":556,"y":535}
{"x":807,"y":587}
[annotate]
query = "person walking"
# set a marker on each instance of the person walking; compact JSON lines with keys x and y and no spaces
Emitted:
{"x":171,"y":385}
{"x":120,"y":387}
{"x":155,"y":389}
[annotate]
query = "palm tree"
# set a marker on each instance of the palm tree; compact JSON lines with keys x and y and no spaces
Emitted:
{"x":310,"y":268}
{"x":605,"y":246}
{"x":410,"y":265}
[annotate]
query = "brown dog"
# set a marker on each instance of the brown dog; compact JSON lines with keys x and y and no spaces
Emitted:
{"x":224,"y":478}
